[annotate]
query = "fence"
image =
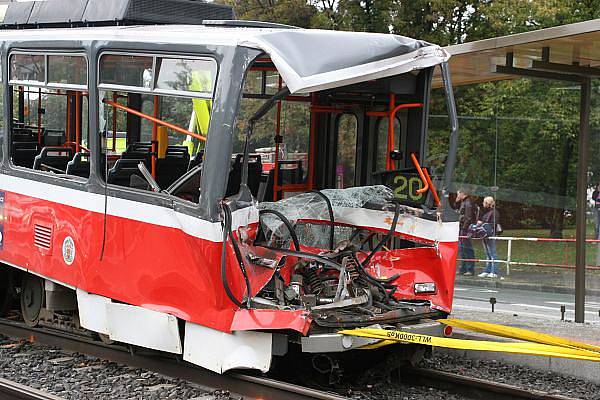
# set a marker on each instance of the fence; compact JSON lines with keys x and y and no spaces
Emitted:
{"x":508,"y":262}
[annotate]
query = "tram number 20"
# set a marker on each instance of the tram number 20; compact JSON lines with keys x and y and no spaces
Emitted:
{"x":406,"y":186}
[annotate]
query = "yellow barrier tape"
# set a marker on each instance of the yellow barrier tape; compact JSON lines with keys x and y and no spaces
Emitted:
{"x":517,"y":333}
{"x":535,"y":349}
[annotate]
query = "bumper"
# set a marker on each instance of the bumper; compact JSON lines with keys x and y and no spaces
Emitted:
{"x":334,"y":342}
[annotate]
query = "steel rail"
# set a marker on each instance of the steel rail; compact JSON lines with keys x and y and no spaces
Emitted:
{"x":474,"y":387}
{"x":14,"y":391}
{"x":247,"y":386}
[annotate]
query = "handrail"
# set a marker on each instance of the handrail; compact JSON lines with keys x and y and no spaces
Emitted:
{"x":425,"y":188}
{"x":155,"y":120}
{"x":432,"y":186}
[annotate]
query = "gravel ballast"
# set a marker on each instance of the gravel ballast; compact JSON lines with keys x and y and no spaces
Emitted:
{"x":523,"y":377}
{"x":77,"y":376}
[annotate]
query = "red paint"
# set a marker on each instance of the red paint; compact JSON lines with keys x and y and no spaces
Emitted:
{"x":167,"y":270}
{"x":248,"y":320}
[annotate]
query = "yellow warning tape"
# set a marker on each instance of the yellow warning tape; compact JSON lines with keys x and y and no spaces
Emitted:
{"x":535,"y":349}
{"x":517,"y":333}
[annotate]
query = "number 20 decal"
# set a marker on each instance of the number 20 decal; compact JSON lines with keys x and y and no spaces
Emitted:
{"x":413,"y":184}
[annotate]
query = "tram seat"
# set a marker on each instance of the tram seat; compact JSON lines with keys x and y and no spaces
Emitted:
{"x":196,"y":160}
{"x":24,"y":148}
{"x":120,"y":174}
{"x":53,"y":157}
{"x":53,"y":137}
{"x":79,"y":165}
{"x":290,"y":173}
{"x":174,"y":165}
{"x":235,"y":175}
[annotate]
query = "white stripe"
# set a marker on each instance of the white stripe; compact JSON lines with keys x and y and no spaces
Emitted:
{"x":123,"y":208}
{"x":202,"y":229}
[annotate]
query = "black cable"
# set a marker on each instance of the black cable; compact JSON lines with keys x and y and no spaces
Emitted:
{"x":287,"y":224}
{"x":331,"y":217}
{"x":386,"y":238}
{"x":309,"y":256}
{"x":228,"y":233}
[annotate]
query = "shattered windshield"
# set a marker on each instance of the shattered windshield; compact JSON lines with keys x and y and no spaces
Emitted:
{"x":311,"y":208}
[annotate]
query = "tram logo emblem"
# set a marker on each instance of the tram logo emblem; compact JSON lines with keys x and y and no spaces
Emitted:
{"x":68,"y":250}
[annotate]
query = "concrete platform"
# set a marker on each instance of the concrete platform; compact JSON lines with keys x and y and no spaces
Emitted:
{"x":588,"y":332}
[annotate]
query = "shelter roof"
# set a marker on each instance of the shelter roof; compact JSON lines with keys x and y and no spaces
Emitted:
{"x":566,"y":51}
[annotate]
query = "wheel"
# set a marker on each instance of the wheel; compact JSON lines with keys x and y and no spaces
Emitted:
{"x":32,"y":299}
{"x":7,"y":290}
{"x":105,"y":339}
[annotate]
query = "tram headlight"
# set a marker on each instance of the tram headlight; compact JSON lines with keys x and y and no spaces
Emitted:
{"x":425,"y":287}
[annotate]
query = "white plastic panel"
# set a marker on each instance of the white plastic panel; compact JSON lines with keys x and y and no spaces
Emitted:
{"x":92,"y":311}
{"x":220,"y":351}
{"x":143,"y":327}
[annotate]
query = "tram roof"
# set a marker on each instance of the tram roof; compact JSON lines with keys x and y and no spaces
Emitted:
{"x":307,"y":59}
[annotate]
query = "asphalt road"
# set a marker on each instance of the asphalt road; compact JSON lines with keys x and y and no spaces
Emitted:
{"x":522,"y":302}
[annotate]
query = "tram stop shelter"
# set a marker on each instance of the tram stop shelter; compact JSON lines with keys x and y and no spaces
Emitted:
{"x":569,"y":53}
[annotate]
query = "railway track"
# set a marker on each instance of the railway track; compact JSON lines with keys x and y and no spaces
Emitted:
{"x":14,"y":391}
{"x":247,"y":386}
{"x":252,"y":386}
{"x":474,"y":388}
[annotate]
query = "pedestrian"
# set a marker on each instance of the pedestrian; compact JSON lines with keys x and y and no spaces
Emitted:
{"x":468,"y":211}
{"x":596,"y":200}
{"x":490,"y":221}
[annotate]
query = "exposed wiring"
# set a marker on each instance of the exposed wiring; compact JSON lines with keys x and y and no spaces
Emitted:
{"x":287,"y":224}
{"x":228,"y":233}
{"x":387,"y":237}
{"x":331,"y":218}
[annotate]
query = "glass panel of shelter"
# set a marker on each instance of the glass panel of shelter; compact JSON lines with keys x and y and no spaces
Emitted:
{"x":154,"y":111}
{"x":525,"y":158}
{"x":49,"y":129}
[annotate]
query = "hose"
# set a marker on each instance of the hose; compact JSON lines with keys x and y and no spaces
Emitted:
{"x":228,"y":233}
{"x":287,"y":224}
{"x":386,"y":238}
{"x":331,"y":217}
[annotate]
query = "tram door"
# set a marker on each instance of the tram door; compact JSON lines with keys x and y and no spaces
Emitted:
{"x":346,"y":143}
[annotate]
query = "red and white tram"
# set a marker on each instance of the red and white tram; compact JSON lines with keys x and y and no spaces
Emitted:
{"x":133,"y":203}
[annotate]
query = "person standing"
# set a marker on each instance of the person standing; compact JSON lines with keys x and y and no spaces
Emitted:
{"x":596,"y":200}
{"x":468,"y":215}
{"x":489,"y":220}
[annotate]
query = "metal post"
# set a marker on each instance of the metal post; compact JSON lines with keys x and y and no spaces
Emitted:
{"x":582,"y":167}
{"x":508,"y":256}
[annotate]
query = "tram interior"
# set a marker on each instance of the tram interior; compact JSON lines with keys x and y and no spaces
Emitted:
{"x":150,"y":114}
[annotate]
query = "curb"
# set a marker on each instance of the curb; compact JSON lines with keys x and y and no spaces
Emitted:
{"x":536,"y":287}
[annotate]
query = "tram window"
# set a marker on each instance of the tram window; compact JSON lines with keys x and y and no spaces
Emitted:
{"x":162,"y":107}
{"x":347,"y":127}
{"x":290,"y":120}
{"x":28,"y":68}
{"x":67,"y":70}
{"x":49,"y":130}
{"x":188,"y":75}
{"x":382,"y":137}
{"x":126,"y":70}
{"x":44,"y":122}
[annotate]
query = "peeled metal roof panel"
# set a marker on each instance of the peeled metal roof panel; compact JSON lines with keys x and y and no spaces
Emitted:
{"x":310,"y":60}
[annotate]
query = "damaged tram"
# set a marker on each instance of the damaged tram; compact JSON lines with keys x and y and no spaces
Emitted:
{"x":134,"y":203}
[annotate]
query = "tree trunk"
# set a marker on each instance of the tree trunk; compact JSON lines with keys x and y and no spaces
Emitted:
{"x":558,"y":217}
